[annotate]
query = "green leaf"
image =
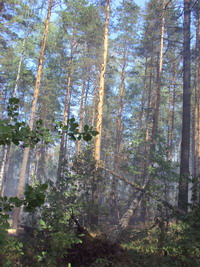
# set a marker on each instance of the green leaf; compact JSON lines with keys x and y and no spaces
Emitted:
{"x":94,"y":133}
{"x":87,"y":137}
{"x":86,"y":128}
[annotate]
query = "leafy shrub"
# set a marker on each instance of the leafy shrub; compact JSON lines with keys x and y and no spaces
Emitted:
{"x":11,"y":251}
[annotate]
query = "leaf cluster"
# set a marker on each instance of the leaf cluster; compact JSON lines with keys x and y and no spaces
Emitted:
{"x":34,"y":197}
{"x":19,"y":133}
{"x":73,"y":132}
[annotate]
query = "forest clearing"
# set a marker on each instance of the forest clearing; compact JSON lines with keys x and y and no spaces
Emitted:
{"x":100,"y":133}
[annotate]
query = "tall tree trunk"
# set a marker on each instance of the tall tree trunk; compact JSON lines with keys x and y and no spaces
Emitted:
{"x":143,"y":97}
{"x":97,"y":146}
{"x":114,"y":209}
{"x":149,"y":107}
{"x":6,"y":171}
{"x":185,"y":144}
{"x":81,"y":114}
{"x":2,"y":166}
{"x":32,"y":115}
{"x":41,"y":174}
{"x":159,"y":72}
{"x":120,"y":109}
{"x":173,"y":113}
{"x":94,"y":102}
{"x":19,"y":66}
{"x":62,"y":153}
{"x":196,"y":112}
{"x":146,"y":149}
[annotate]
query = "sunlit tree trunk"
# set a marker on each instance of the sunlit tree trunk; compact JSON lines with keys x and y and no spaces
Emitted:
{"x":2,"y":166}
{"x":94,"y":102}
{"x":32,"y":115}
{"x":97,"y":146}
{"x":81,"y":114}
{"x":99,"y":119}
{"x":185,"y":144}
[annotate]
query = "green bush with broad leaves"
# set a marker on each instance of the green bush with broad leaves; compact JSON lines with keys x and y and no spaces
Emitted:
{"x":33,"y":197}
{"x":56,"y":234}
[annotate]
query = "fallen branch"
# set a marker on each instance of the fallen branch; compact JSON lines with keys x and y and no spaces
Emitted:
{"x":145,"y":191}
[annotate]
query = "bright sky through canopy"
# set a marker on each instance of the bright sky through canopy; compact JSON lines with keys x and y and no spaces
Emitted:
{"x":140,"y":2}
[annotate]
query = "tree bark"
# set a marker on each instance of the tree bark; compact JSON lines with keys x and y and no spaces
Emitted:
{"x":196,"y":113}
{"x":185,"y":144}
{"x":94,"y":102}
{"x":3,"y":162}
{"x":97,"y":146}
{"x":81,"y":114}
{"x":143,"y":96}
{"x":173,"y":114}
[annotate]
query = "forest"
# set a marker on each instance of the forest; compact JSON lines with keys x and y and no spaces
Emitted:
{"x":100,"y":133}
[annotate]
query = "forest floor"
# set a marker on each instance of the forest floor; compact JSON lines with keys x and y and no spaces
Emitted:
{"x":96,"y":251}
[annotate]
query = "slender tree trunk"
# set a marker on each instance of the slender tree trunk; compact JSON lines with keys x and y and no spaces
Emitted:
{"x":185,"y":144}
{"x":19,"y":67}
{"x":3,"y":162}
{"x":62,"y":153}
{"x":41,"y":174}
{"x":114,"y":208}
{"x":32,"y":115}
{"x":173,"y":114}
{"x":6,"y":172}
{"x":149,"y":107}
{"x":196,"y":112}
{"x":97,"y":147}
{"x":159,"y":72}
{"x":169,"y":117}
{"x":143,"y":97}
{"x":94,"y":102}
{"x":146,"y":149}
{"x":120,"y":110}
{"x":81,"y":114}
